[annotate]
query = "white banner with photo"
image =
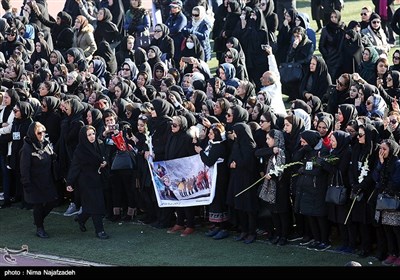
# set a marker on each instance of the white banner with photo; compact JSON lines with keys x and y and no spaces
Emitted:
{"x":183,"y":182}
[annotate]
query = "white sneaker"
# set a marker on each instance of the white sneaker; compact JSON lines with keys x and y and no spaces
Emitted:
{"x":71,"y":210}
{"x":80,"y":211}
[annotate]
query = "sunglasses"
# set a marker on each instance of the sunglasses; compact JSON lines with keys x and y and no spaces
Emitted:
{"x":41,"y":132}
{"x":363,"y":14}
{"x":393,"y":121}
{"x":126,"y":69}
{"x":389,"y":79}
{"x":229,"y":115}
{"x":157,"y":30}
{"x":339,"y":83}
{"x":228,"y":56}
{"x":360,"y":135}
{"x":195,"y":15}
{"x":375,"y":22}
{"x":368,"y":102}
{"x":175,"y":125}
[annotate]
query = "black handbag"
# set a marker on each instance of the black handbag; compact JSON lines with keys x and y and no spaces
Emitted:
{"x":387,"y":202}
{"x":336,"y":193}
{"x":290,"y":72}
{"x":124,"y":160}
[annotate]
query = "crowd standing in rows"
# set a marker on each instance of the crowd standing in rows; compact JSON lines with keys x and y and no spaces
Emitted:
{"x":94,"y":81}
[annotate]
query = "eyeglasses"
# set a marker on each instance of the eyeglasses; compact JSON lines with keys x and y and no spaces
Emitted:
{"x":339,"y":83}
{"x":389,"y":79}
{"x":174,"y":125}
{"x":157,"y":30}
{"x":360,"y":135}
{"x":15,"y":110}
{"x":363,"y":14}
{"x":393,"y":121}
{"x":41,"y":132}
{"x":229,"y":115}
{"x":375,"y":21}
{"x":368,"y":102}
{"x":126,"y":69}
{"x":195,"y":15}
{"x":228,"y":56}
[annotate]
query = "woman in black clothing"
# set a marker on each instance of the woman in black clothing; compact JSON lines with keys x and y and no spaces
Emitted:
{"x":23,"y":112}
{"x":242,"y":164}
{"x":316,"y":79}
{"x":272,"y":191}
{"x":363,"y":160}
{"x":36,"y":175}
{"x":218,"y":210}
{"x":330,"y":43}
{"x":180,"y":144}
{"x":86,"y":168}
{"x":338,"y":172}
{"x":311,"y":187}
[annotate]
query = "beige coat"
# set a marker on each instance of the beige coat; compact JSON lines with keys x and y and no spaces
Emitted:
{"x":84,"y":39}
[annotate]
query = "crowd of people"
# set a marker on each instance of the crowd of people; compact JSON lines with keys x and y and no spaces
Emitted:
{"x":78,"y":89}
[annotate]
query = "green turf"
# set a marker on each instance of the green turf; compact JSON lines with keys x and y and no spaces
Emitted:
{"x":132,"y":244}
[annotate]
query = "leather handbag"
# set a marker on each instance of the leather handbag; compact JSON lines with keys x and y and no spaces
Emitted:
{"x":290,"y":72}
{"x":385,"y":201}
{"x":124,"y":160}
{"x":336,"y":192}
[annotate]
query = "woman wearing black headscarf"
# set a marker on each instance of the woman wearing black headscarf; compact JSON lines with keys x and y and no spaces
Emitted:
{"x":105,"y":30}
{"x":392,"y":89}
{"x":330,"y":44}
{"x":310,"y":200}
{"x":61,"y":32}
{"x":252,"y":32}
{"x":242,"y":164}
{"x":352,"y":49}
{"x":346,"y":113}
{"x":387,"y":177}
{"x":316,"y":80}
{"x":363,"y":160}
{"x":36,"y":175}
{"x":338,"y":172}
{"x":86,"y":168}
{"x":23,"y":112}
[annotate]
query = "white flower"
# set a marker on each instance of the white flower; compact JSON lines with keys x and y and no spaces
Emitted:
{"x":364,"y":171}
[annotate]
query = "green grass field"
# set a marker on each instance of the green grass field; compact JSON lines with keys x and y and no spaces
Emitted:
{"x":133,"y":244}
{"x":141,"y":245}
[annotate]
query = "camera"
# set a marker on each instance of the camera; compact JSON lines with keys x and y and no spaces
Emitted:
{"x":113,"y":126}
{"x":129,"y":131}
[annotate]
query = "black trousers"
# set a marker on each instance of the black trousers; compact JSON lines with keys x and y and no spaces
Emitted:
{"x":40,"y":212}
{"x":96,"y":218}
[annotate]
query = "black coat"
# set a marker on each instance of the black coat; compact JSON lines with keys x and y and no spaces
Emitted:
{"x":218,"y":150}
{"x":36,"y":170}
{"x":84,"y":173}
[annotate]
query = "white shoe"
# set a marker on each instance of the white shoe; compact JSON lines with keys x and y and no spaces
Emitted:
{"x":71,"y":210}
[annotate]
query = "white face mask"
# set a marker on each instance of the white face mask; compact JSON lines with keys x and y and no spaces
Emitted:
{"x":190,"y":45}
